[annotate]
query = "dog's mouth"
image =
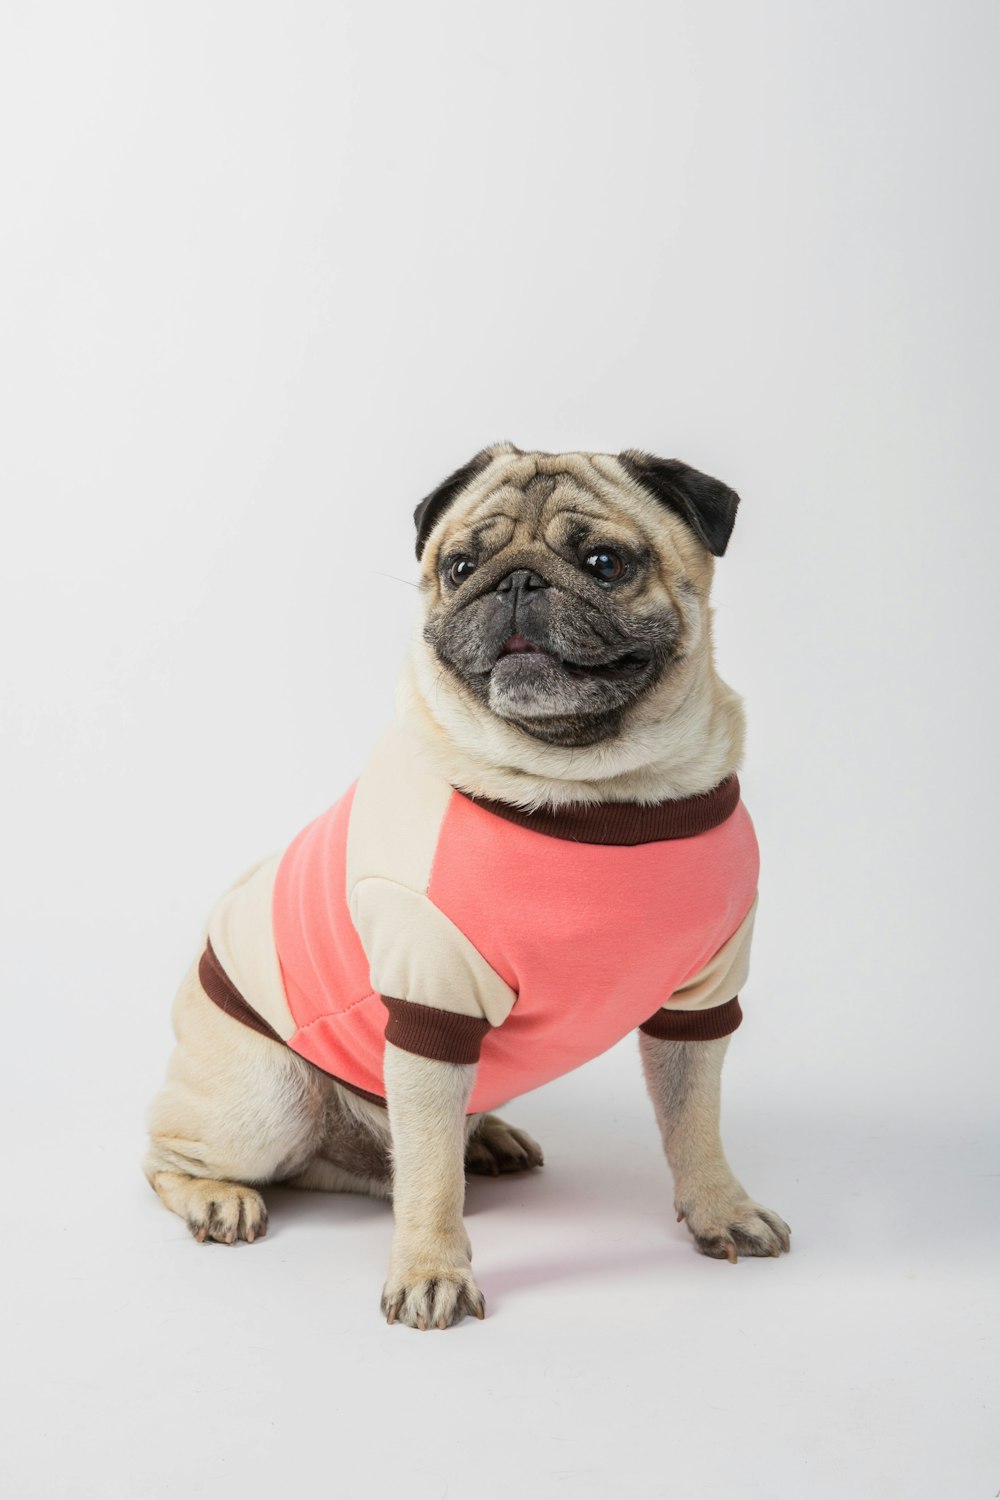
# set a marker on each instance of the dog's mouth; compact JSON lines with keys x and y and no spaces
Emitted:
{"x":518,"y":654}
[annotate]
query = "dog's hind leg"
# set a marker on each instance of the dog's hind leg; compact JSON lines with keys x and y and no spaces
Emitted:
{"x":353,"y":1154}
{"x":237,"y":1110}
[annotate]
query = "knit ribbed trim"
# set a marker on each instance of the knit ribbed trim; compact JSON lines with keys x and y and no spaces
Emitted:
{"x":219,"y":987}
{"x":429,"y":1032}
{"x":694,"y":1025}
{"x":624,"y":822}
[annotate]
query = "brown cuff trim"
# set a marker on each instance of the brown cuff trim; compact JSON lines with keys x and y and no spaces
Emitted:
{"x":625,"y":822}
{"x":694,"y":1025}
{"x":219,"y":987}
{"x":430,"y":1032}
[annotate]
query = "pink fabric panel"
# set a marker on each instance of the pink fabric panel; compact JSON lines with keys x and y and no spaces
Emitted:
{"x":323,"y":965}
{"x":594,"y":938}
{"x":350,"y":1045}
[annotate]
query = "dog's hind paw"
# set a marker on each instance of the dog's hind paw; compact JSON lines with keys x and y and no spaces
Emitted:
{"x":225,"y":1212}
{"x":497,"y":1147}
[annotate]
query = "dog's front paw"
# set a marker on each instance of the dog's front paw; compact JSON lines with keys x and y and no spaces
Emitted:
{"x":497,"y":1147}
{"x":424,"y":1298}
{"x":734,"y":1225}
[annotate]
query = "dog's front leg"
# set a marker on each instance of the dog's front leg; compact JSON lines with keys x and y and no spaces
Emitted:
{"x":684,"y":1082}
{"x":430,"y":1284}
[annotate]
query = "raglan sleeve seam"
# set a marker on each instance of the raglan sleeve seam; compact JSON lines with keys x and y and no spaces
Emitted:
{"x":441,"y":994}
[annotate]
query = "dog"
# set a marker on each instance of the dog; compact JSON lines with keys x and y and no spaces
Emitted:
{"x":546,"y":851}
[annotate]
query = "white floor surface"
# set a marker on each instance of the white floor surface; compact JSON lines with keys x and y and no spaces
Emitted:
{"x":614,"y":1360}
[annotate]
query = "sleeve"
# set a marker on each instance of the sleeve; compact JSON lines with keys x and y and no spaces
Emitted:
{"x":707,"y":1006}
{"x":441,"y":995}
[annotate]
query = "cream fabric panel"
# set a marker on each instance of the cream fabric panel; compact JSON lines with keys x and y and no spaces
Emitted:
{"x":723,"y":976}
{"x":243,"y":938}
{"x":396,"y":816}
{"x":416,"y":953}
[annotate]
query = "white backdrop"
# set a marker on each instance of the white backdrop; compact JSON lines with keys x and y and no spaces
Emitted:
{"x":269,"y":272}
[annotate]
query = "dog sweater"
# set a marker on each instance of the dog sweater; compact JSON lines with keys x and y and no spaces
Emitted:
{"x":475,"y":932}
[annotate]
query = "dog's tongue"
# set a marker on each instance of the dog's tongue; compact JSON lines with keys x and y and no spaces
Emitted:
{"x":518,"y":643}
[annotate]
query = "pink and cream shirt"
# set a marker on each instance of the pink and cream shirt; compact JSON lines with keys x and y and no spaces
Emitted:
{"x":472,"y":931}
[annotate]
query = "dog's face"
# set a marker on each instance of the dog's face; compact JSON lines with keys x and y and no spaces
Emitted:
{"x":562,"y":590}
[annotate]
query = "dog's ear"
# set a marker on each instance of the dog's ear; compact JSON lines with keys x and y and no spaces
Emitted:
{"x":707,"y":505}
{"x":436,"y":503}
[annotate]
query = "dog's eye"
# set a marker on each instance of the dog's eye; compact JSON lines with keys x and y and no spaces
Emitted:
{"x":606,"y":567}
{"x":460,"y":568}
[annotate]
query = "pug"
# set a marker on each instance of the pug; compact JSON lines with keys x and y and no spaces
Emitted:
{"x":546,"y":851}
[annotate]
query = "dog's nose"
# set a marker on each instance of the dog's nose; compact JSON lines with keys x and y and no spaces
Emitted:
{"x":521,"y":580}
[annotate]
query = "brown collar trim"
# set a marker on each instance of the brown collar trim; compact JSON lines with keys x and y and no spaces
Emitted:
{"x":625,"y":822}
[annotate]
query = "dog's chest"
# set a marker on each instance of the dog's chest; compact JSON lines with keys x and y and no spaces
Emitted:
{"x":600,"y":926}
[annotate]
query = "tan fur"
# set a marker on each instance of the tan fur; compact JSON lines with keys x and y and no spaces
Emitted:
{"x":684,"y":1083}
{"x":238,"y":1111}
{"x":430,"y":1283}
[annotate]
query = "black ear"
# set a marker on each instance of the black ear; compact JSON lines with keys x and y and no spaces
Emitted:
{"x":436,"y":503}
{"x":707,"y":505}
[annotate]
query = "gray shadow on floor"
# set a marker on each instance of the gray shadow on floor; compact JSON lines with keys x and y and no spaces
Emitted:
{"x":854,"y":1186}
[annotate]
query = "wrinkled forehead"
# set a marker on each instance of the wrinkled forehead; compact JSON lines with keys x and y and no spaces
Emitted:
{"x":523,"y":497}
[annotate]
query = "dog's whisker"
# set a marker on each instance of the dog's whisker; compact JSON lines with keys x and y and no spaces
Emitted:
{"x":377,"y":572}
